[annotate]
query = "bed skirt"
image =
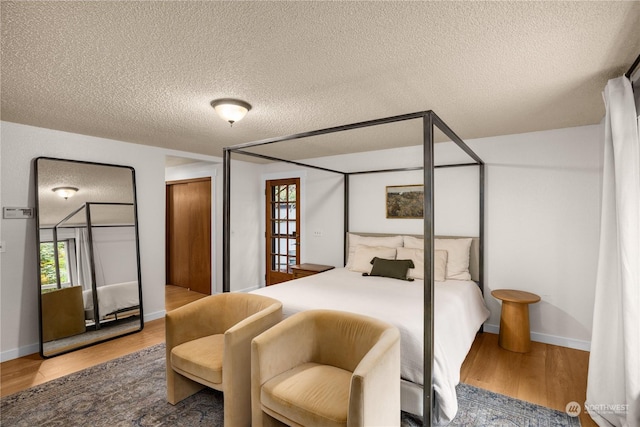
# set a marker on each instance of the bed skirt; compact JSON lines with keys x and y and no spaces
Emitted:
{"x":411,"y":397}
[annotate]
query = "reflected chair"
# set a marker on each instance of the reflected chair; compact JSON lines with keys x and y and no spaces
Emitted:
{"x":209,"y":344}
{"x":326,"y":368}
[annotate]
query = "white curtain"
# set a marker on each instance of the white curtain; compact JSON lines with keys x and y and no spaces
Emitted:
{"x":83,"y":263}
{"x":613,"y":387}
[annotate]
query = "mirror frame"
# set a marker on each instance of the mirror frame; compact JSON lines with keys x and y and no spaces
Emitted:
{"x":38,"y":242}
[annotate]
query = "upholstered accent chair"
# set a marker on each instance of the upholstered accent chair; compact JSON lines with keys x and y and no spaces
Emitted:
{"x":326,"y":368}
{"x":209,"y":344}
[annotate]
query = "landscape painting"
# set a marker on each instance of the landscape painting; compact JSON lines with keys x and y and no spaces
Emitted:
{"x":405,"y":201}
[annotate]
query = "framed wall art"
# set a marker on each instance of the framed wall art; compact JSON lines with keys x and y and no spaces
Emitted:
{"x":405,"y":201}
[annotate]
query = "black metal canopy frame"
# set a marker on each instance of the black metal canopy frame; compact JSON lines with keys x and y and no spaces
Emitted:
{"x":92,"y":265}
{"x":430,"y":120}
{"x":633,"y":67}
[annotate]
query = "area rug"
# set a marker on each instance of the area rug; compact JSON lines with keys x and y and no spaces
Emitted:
{"x":478,"y":407}
{"x":130,"y":391}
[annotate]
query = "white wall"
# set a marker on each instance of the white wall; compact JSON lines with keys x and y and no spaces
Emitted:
{"x":246,"y":222}
{"x":114,"y":253}
{"x":456,"y":190}
{"x":321,"y":213}
{"x":18,"y":281}
{"x":245,"y":190}
{"x":543,"y":221}
{"x":246,"y":272}
{"x":456,"y":208}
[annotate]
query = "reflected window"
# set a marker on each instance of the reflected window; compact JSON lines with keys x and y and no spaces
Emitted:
{"x":48,"y":276}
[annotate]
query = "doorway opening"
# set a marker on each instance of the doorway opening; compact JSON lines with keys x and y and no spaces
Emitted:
{"x":188,"y":234}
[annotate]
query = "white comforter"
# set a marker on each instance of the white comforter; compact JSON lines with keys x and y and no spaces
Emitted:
{"x":459,"y":313}
{"x":112,"y":298}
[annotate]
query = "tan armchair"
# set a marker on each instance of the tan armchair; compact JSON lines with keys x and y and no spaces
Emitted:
{"x":326,"y":368}
{"x":209,"y":344}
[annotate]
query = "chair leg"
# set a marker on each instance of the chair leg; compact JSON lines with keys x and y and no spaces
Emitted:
{"x":180,"y":387}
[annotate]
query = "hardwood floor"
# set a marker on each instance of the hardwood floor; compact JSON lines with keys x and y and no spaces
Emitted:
{"x":175,"y":296}
{"x":28,"y":371}
{"x":549,"y":375}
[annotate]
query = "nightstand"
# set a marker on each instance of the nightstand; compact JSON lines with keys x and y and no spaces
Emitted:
{"x":303,"y":270}
{"x":514,"y":319}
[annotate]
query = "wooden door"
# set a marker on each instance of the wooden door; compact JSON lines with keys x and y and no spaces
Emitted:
{"x":188,"y":244}
{"x":283,"y":229}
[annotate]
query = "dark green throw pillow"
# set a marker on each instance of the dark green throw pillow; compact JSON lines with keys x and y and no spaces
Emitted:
{"x":393,"y":268}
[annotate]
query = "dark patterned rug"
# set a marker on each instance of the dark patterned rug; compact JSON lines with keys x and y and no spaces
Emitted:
{"x":130,"y":391}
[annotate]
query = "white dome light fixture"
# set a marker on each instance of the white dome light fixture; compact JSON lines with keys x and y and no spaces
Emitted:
{"x":231,"y":110}
{"x":65,"y":192}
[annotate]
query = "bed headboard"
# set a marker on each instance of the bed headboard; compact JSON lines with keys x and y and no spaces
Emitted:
{"x":474,"y":252}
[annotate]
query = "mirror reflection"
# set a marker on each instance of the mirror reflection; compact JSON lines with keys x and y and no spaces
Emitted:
{"x":88,"y":250}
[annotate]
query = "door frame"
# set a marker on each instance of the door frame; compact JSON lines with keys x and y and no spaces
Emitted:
{"x":274,"y":222}
{"x":302,"y":175}
{"x":212,"y":226}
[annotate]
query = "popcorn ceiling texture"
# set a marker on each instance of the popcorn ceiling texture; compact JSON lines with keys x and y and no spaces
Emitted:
{"x":145,"y":72}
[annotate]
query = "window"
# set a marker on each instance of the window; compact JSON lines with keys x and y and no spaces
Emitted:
{"x":48,"y":277}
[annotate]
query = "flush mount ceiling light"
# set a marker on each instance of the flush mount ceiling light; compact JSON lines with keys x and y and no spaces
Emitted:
{"x":230,"y":110}
{"x":65,"y":192}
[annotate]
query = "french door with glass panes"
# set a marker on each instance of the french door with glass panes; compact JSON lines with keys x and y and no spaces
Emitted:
{"x":283,"y":229}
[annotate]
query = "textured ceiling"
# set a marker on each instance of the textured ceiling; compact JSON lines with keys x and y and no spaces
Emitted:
{"x":146,"y":72}
{"x":95,"y":183}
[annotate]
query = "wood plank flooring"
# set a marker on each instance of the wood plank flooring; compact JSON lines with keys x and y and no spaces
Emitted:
{"x":28,"y":371}
{"x":549,"y":375}
{"x":175,"y":296}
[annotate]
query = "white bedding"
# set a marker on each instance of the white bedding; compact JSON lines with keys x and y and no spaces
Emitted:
{"x":112,"y":298}
{"x":459,"y":313}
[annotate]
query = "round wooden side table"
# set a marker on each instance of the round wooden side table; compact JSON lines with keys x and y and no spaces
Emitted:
{"x":514,"y":319}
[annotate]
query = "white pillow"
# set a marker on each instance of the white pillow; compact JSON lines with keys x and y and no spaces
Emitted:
{"x":417,"y":256}
{"x":457,"y":257}
{"x":457,"y":254}
{"x":363,"y":255}
{"x":413,"y":242}
{"x":440,"y":265}
{"x":355,"y":240}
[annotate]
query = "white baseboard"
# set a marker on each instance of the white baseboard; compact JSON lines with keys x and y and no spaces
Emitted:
{"x":155,"y":315}
{"x":26,"y":350}
{"x":14,"y":353}
{"x":253,"y":288}
{"x":548,"y":339}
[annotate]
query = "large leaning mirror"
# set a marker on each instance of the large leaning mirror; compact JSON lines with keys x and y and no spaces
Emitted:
{"x":89,"y":269}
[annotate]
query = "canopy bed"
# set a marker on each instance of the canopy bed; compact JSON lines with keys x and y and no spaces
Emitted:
{"x":424,"y":364}
{"x":102,"y":300}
